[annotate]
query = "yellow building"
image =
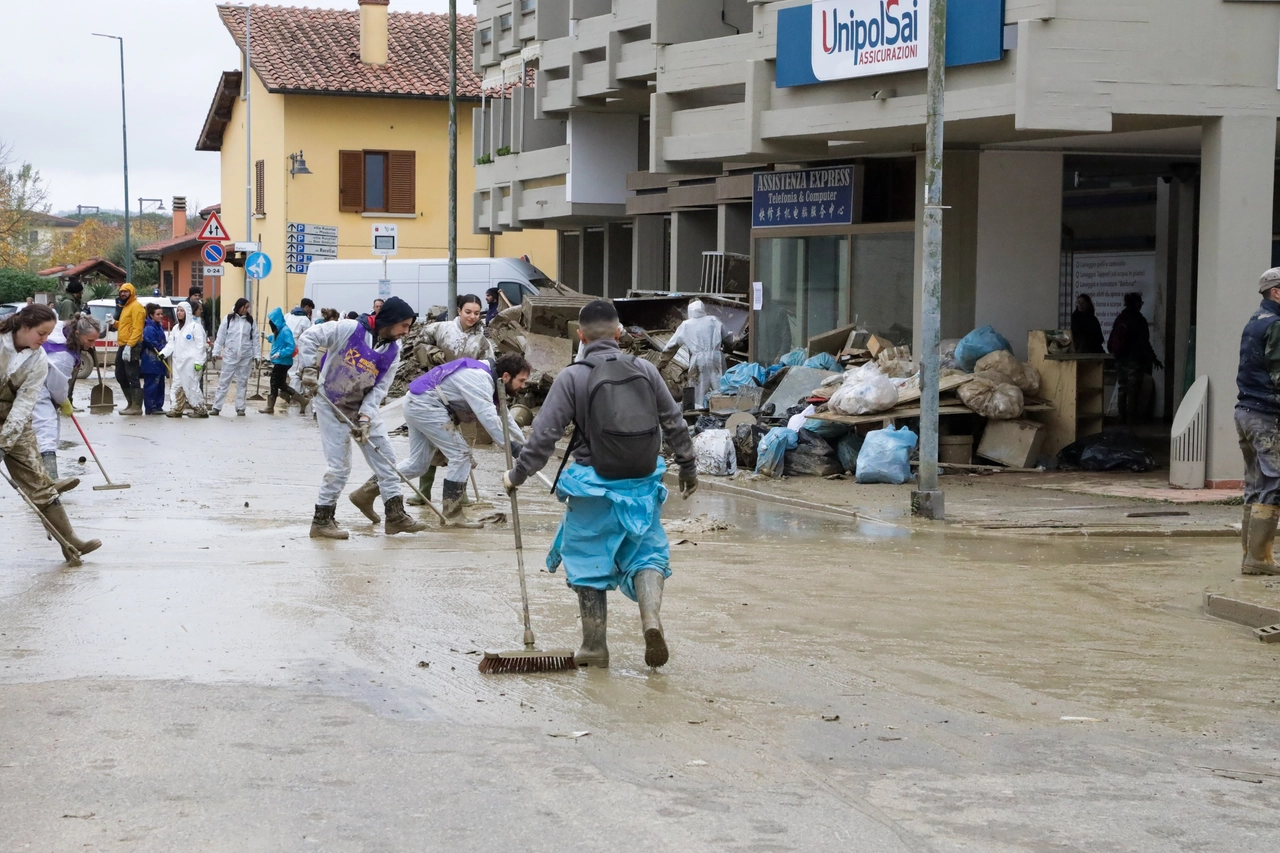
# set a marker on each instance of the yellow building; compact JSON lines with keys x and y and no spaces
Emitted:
{"x":362,"y":98}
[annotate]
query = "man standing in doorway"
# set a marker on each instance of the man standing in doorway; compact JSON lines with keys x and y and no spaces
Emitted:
{"x":611,"y":536}
{"x":1258,"y":426}
{"x":1130,"y":343}
{"x":130,"y":320}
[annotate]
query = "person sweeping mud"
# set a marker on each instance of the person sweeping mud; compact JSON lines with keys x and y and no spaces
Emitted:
{"x":67,"y":346}
{"x":611,"y":536}
{"x":1258,"y":427}
{"x":24,"y":368}
{"x":361,"y":357}
{"x":461,"y":391}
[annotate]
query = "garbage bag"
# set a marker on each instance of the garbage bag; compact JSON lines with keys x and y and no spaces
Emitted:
{"x":1119,"y":450}
{"x":847,"y":451}
{"x":715,"y":453}
{"x":886,"y":456}
{"x":822,"y":361}
{"x":707,"y":422}
{"x":998,"y":401}
{"x":830,"y":430}
{"x":947,"y":354}
{"x":746,"y":442}
{"x":864,"y":391}
{"x":978,"y":343}
{"x":1026,"y":377}
{"x":735,"y":377}
{"x":795,"y":358}
{"x":797,"y":420}
{"x":771,"y":455}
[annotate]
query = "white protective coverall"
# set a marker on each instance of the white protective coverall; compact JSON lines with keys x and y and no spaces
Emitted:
{"x":236,"y":344}
{"x":22,"y":376}
{"x":453,"y":343}
{"x":703,"y":336}
{"x":335,"y":436}
{"x":186,"y":352}
{"x":469,"y":395}
{"x":44,"y":418}
{"x":297,"y":323}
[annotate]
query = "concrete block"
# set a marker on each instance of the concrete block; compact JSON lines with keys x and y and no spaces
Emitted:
{"x":1241,"y":612}
{"x":1269,"y":634}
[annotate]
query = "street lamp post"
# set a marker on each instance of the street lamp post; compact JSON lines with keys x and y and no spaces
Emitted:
{"x":124,"y":133}
{"x":158,"y":202}
{"x":453,"y":158}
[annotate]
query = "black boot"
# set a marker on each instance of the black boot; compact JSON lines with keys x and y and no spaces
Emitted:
{"x":593,"y":605}
{"x":399,"y":521}
{"x":325,"y":526}
{"x":454,"y":495}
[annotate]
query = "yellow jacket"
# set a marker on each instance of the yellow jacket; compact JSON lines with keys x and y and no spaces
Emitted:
{"x":132,"y":319}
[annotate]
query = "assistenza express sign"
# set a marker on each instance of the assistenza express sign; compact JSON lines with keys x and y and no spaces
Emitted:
{"x":856,"y":38}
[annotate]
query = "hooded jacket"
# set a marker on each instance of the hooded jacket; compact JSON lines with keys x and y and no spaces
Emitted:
{"x":22,"y":376}
{"x":298,"y":322}
{"x":283,"y":345}
{"x":130,"y":321}
{"x":452,"y":342}
{"x":703,"y":335}
{"x":153,"y":343}
{"x":186,"y":346}
{"x":236,"y":342}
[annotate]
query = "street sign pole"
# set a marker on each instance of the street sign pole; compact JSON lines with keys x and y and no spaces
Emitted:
{"x":927,"y":500}
{"x":248,"y":144}
{"x":453,"y":159}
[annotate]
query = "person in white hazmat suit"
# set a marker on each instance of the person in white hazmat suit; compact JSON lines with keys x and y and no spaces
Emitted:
{"x":705,"y":338}
{"x":299,"y":320}
{"x":186,"y":353}
{"x":70,"y":343}
{"x":359,"y":365}
{"x":458,"y":392}
{"x":236,"y":344}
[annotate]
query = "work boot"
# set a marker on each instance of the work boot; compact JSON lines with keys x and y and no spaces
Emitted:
{"x":271,"y":406}
{"x":452,"y":499}
{"x":57,"y":517}
{"x":1244,"y":529}
{"x":216,"y":412}
{"x":648,"y":585}
{"x":364,"y":498}
{"x":240,"y":413}
{"x":325,"y":526}
{"x":174,"y":412}
{"x":200,"y":413}
{"x":1258,"y":558}
{"x":593,"y":606}
{"x":134,"y":397}
{"x":399,"y":521}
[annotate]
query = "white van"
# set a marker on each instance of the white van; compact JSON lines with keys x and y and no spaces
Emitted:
{"x":349,"y":285}
{"x":106,"y":309}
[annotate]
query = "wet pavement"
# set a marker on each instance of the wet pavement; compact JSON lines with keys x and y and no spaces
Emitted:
{"x":215,"y":680}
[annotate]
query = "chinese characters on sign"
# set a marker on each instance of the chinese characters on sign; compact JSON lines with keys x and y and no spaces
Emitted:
{"x":802,"y":197}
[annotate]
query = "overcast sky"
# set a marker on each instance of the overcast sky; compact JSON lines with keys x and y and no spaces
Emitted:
{"x":60,"y":102}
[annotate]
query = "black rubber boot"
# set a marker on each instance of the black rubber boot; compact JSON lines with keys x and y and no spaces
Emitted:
{"x":325,"y":526}
{"x":365,"y":498}
{"x":649,"y":595}
{"x":594,"y":608}
{"x":1258,"y":558}
{"x":399,"y":521}
{"x":454,"y":496}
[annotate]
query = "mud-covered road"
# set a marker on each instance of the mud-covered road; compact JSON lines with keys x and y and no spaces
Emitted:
{"x":214,"y":680}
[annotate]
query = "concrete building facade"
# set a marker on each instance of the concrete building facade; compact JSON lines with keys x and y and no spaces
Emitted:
{"x":1089,"y":144}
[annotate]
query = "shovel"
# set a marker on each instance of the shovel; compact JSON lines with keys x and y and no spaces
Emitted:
{"x":101,"y":398}
{"x":257,"y":364}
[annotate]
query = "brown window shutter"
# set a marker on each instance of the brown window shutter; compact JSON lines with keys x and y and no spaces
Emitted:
{"x":400,"y":182}
{"x":351,"y":181}
{"x":259,"y":192}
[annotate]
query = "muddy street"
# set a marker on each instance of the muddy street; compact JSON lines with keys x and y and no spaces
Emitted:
{"x":214,"y":680}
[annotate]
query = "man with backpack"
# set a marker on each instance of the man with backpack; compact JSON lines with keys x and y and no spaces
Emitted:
{"x":611,"y":536}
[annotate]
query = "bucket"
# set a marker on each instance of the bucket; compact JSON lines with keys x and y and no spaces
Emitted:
{"x":955,"y":449}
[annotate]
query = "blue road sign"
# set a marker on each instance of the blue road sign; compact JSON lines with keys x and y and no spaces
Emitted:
{"x":258,"y":265}
{"x":213,"y":253}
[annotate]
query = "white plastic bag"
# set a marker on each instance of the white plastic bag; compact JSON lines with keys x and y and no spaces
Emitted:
{"x":714,"y":452}
{"x":864,"y":391}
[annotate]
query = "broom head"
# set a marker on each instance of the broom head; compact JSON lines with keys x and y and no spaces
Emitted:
{"x":109,"y":486}
{"x":557,"y":660}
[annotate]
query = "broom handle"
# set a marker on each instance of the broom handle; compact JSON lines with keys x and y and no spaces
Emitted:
{"x":515,"y":514}
{"x":71,"y":549}
{"x":90,"y":446}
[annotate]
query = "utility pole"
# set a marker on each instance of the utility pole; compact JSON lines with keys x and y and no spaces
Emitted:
{"x":124,"y":133}
{"x":927,"y":500}
{"x":248,"y":144}
{"x":453,"y":159}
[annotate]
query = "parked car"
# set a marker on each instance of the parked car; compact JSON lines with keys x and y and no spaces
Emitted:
{"x":106,"y":310}
{"x":11,"y":308}
{"x":352,"y":285}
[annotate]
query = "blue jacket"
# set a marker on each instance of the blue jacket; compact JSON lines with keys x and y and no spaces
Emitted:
{"x":1258,"y":391}
{"x":282,"y":343}
{"x":153,"y":340}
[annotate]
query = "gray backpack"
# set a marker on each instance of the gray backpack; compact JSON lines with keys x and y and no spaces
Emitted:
{"x":618,"y":421}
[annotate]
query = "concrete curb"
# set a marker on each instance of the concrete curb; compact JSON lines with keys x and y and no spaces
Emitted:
{"x":713,"y":485}
{"x":1241,"y":612}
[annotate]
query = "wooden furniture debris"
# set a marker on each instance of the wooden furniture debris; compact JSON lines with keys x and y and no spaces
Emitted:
{"x":1072,"y":382}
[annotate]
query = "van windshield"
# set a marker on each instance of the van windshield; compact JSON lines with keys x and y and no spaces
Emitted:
{"x":103,"y":313}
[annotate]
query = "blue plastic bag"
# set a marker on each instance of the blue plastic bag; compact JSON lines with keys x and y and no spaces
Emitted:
{"x":830,"y":430}
{"x":885,"y":456}
{"x":795,"y":358}
{"x":740,"y":375}
{"x":978,"y":343}
{"x":823,"y":361}
{"x":771,"y":455}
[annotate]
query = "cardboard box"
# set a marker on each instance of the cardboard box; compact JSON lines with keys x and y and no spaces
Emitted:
{"x":876,"y":345}
{"x":1013,"y":443}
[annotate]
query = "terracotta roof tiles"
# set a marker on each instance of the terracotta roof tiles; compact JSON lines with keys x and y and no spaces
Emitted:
{"x":318,"y":51}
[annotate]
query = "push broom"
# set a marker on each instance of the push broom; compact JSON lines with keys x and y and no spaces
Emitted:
{"x":528,"y":659}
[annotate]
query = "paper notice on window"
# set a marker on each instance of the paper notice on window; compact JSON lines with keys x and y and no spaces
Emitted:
{"x":757,"y":295}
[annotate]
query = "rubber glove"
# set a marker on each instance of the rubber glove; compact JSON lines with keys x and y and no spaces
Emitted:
{"x":65,"y":408}
{"x":508,"y":486}
{"x":199,"y":367}
{"x":310,"y":381}
{"x":126,"y":352}
{"x":361,"y":431}
{"x":688,"y":484}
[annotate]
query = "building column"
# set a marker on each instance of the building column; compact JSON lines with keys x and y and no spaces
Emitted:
{"x":647,"y":237}
{"x":692,"y":233}
{"x":1237,"y":183}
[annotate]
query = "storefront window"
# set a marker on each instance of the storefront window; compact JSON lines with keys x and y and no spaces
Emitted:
{"x":883,"y":279}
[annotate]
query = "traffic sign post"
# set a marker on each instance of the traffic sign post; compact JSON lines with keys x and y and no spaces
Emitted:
{"x":214,"y":270}
{"x":306,"y":243}
{"x":212,"y":230}
{"x":385,"y":239}
{"x":213,"y":254}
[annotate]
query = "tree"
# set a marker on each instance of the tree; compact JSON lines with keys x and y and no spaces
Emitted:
{"x":17,"y":285}
{"x":93,"y":238}
{"x":23,"y":195}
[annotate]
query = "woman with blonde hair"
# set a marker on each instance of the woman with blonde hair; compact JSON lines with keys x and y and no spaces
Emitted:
{"x":70,"y":343}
